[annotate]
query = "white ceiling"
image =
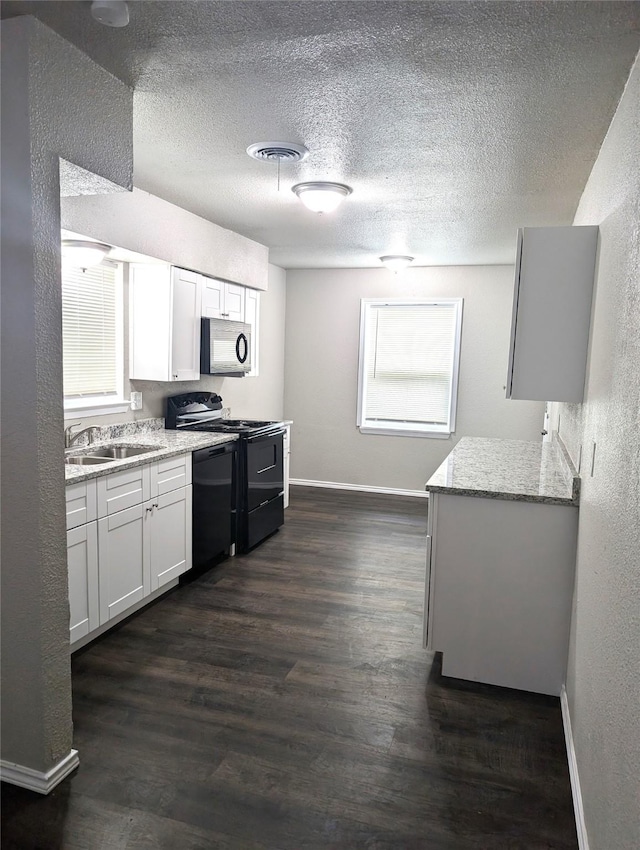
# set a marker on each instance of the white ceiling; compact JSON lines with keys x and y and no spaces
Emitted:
{"x":454,"y":123}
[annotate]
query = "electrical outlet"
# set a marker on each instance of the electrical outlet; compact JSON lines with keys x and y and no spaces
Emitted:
{"x":136,"y":401}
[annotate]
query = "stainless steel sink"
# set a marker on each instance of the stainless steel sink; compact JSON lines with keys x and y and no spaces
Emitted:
{"x":120,"y":452}
{"x":109,"y":453}
{"x":86,"y":459}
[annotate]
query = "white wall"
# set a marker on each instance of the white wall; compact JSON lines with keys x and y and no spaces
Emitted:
{"x":149,"y":225}
{"x":603,"y":680}
{"x":49,"y":110}
{"x":321,"y":371}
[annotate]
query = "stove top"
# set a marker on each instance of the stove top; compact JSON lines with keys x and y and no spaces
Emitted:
{"x":234,"y":426}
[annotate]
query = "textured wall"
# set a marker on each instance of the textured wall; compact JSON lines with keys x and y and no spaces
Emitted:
{"x":147,"y":224}
{"x":49,"y":109}
{"x":321,"y":372}
{"x":603,"y":681}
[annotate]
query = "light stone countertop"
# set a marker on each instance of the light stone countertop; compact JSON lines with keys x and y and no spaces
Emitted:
{"x":168,"y":443}
{"x":515,"y":470}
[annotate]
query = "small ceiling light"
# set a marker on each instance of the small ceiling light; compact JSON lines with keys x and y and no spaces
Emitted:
{"x":321,"y":197}
{"x":83,"y":253}
{"x":111,"y":13}
{"x":396,"y":262}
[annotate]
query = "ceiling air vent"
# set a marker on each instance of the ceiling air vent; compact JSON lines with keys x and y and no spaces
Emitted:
{"x":278,"y":151}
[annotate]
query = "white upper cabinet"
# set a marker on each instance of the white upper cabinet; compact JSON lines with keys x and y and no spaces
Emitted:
{"x":555,"y":269}
{"x":222,"y":300}
{"x":252,"y":317}
{"x":164,"y":318}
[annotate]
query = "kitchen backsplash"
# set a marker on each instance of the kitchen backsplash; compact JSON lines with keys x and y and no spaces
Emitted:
{"x":122,"y":430}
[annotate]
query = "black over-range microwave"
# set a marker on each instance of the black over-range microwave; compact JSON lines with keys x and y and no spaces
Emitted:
{"x":225,"y":347}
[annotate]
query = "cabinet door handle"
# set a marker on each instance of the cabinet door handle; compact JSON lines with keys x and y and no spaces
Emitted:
{"x":149,"y":510}
{"x":155,"y":505}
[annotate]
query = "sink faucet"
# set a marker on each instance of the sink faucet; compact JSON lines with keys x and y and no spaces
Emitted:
{"x":70,"y":438}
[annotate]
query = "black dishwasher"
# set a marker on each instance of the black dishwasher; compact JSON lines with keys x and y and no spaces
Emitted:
{"x":215,"y":502}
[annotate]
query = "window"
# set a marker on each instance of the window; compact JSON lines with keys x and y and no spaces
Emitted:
{"x":92,"y":337}
{"x":408,"y":373}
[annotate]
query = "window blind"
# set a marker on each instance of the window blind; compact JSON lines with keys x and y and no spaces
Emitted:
{"x":409,"y":364}
{"x":89,"y":331}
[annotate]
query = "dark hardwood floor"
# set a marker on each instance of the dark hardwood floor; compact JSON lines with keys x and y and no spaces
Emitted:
{"x":283,"y":700}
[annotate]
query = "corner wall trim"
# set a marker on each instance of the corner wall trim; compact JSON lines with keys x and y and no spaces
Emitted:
{"x":35,"y":780}
{"x":334,"y":485}
{"x":581,"y":827}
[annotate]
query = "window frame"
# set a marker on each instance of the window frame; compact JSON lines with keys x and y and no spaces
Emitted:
{"x":408,"y":429}
{"x":100,"y":405}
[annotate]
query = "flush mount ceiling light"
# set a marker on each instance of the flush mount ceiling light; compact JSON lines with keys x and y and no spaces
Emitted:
{"x":396,"y":262}
{"x":111,"y":13}
{"x":321,"y":196}
{"x":83,"y":253}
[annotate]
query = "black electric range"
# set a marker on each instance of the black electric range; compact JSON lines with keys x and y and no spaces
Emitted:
{"x":258,"y":469}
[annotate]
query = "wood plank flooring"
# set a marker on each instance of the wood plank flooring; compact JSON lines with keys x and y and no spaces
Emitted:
{"x":283,"y":701}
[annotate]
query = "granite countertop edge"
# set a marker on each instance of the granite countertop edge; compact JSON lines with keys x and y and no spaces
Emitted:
{"x":557,"y":461}
{"x":502,"y":494}
{"x":170,"y":444}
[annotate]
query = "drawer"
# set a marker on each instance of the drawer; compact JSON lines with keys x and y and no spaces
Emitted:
{"x":122,"y":490}
{"x":81,"y":503}
{"x":170,"y":474}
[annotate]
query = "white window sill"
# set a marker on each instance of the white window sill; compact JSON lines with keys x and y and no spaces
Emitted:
{"x":85,"y":407}
{"x":404,"y":432}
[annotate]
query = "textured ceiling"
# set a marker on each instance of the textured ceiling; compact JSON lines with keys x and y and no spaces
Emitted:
{"x":454,"y":123}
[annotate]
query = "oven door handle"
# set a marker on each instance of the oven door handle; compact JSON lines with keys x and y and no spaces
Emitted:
{"x":268,"y":436}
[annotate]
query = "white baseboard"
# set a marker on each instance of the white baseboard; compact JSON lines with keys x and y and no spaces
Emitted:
{"x":581,"y":827}
{"x":334,"y":485}
{"x":35,"y":780}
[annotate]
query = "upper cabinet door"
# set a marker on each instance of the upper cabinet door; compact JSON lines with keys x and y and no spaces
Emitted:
{"x":252,"y":317}
{"x":212,"y":297}
{"x":233,"y":302}
{"x":222,"y":300}
{"x":185,"y":326}
{"x":555,"y":270}
{"x":149,"y":322}
{"x":164,"y":319}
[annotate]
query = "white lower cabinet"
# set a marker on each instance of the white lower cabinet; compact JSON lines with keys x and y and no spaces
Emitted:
{"x":123,"y":561}
{"x":169,"y":536}
{"x":118,"y":560}
{"x":286,"y":448}
{"x":499,"y":588}
{"x":82,"y":561}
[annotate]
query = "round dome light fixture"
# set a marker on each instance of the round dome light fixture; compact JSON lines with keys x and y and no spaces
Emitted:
{"x":111,"y":13}
{"x":396,"y":262}
{"x":83,"y":252}
{"x":321,"y":196}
